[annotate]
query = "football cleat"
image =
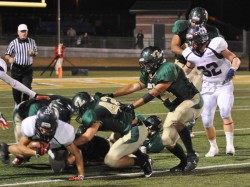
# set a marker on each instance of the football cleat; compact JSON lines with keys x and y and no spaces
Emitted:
{"x":192,"y":161}
{"x":147,"y":167}
{"x":179,"y":168}
{"x":230,"y":150}
{"x":212,"y":152}
{"x":4,"y":155}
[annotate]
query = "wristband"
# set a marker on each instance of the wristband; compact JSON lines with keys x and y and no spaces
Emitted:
{"x":147,"y":97}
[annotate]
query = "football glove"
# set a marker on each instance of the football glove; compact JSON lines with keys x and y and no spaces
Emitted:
{"x":127,"y":108}
{"x":41,"y":97}
{"x":77,"y":178}
{"x":4,"y":123}
{"x":42,"y":150}
{"x":230,"y":74}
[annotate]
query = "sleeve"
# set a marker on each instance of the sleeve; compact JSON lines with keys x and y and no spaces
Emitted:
{"x":218,"y":44}
{"x":65,"y":133}
{"x":28,"y":126}
{"x":179,"y":26}
{"x":34,"y":45}
{"x":10,"y":49}
{"x":167,"y":73}
{"x":16,"y":85}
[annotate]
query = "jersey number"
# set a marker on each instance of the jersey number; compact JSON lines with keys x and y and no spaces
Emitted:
{"x":110,"y":104}
{"x":209,"y":70}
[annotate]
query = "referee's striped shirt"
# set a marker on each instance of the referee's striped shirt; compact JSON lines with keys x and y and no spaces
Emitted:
{"x":19,"y":50}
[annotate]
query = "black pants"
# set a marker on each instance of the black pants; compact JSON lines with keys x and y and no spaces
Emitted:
{"x":23,"y":74}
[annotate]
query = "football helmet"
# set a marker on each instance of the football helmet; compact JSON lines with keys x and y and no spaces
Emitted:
{"x":199,"y":16}
{"x":197,"y":36}
{"x":64,"y":108}
{"x":151,"y":58}
{"x":46,"y":118}
{"x":153,"y":122}
{"x":81,"y":101}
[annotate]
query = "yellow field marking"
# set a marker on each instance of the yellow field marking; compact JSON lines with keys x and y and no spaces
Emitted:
{"x":68,"y":83}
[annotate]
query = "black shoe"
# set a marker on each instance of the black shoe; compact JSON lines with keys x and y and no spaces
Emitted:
{"x":192,"y":161}
{"x":179,"y":168}
{"x":4,"y":155}
{"x":147,"y":167}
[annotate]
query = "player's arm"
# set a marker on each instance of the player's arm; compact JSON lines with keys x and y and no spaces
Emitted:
{"x":72,"y":148}
{"x":235,"y":61}
{"x":130,"y":88}
{"x":176,"y":45}
{"x":88,"y":135}
{"x":159,"y":89}
{"x":188,"y":67}
{"x":22,"y":147}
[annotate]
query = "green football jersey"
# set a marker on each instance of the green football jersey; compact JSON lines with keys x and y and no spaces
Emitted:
{"x":107,"y":111}
{"x":181,"y":89}
{"x":154,"y":143}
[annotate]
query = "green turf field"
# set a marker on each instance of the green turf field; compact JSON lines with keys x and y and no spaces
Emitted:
{"x":221,"y":170}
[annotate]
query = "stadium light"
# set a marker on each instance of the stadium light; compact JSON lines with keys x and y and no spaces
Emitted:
{"x":41,"y":4}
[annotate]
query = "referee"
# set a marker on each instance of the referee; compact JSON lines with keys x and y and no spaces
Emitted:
{"x":19,"y":54}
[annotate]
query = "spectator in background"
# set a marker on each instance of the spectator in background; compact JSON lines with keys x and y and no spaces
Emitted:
{"x":71,"y":33}
{"x":139,"y":40}
{"x":19,"y":54}
{"x":59,"y":53}
{"x":83,"y":40}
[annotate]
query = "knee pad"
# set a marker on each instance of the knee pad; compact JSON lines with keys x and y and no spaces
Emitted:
{"x":169,"y":136}
{"x":207,"y":121}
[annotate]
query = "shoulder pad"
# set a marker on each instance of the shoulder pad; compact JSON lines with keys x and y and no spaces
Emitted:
{"x":179,"y":26}
{"x":218,"y":44}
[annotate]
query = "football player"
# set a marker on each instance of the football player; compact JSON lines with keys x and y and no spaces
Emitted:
{"x":105,"y":114}
{"x":153,"y":143}
{"x":168,"y":82}
{"x":30,"y":108}
{"x":46,"y":128}
{"x":197,"y":16}
{"x":218,"y":66}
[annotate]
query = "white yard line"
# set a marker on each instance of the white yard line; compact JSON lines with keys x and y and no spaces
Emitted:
{"x":124,"y":175}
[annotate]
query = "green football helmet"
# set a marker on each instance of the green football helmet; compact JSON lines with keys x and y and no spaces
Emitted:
{"x":151,"y":59}
{"x":199,"y":16}
{"x":81,"y":101}
{"x":64,"y":109}
{"x":153,"y":122}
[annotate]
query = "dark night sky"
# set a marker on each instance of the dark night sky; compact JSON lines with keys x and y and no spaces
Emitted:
{"x":229,"y":11}
{"x":231,"y":15}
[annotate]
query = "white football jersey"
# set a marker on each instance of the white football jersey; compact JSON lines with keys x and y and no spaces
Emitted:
{"x":212,"y":64}
{"x":64,"y":135}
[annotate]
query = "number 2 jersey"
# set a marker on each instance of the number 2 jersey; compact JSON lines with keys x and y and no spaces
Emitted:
{"x":181,"y":89}
{"x":211,"y":63}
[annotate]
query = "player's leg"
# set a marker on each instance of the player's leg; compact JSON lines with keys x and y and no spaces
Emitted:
{"x":225,"y":103}
{"x":207,"y":116}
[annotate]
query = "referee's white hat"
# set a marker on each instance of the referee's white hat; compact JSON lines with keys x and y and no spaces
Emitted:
{"x":22,"y":27}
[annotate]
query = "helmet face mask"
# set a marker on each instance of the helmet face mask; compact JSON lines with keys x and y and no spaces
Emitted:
{"x":198,"y":16}
{"x":81,"y":101}
{"x":197,"y":36}
{"x":46,"y":123}
{"x":153,"y":123}
{"x":151,"y":59}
